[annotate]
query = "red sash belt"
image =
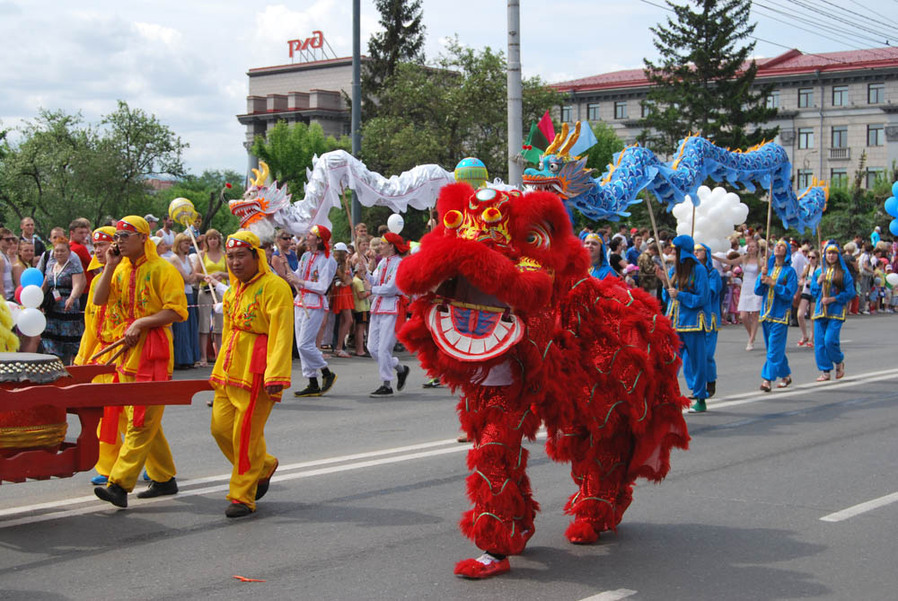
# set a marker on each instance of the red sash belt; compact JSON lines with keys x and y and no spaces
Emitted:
{"x":257,"y":366}
{"x":109,"y":425}
{"x":153,"y":366}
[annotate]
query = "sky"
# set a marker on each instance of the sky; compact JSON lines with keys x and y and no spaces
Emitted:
{"x":186,"y":61}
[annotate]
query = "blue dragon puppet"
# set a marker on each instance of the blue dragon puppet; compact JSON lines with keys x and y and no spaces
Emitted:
{"x":636,"y":168}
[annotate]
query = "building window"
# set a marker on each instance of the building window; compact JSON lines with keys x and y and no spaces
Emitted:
{"x":838,"y":178}
{"x":804,"y":178}
{"x":805,"y":137}
{"x":567,"y":114}
{"x":875,"y":135}
{"x":876,"y":93}
{"x":773,"y":100}
{"x":592,"y":112}
{"x":840,"y":137}
{"x":840,"y":95}
{"x":873,"y":174}
{"x":805,"y":98}
{"x":645,"y":107}
{"x":620,"y":109}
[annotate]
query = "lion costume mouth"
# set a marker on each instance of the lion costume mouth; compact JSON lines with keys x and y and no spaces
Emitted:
{"x":469,"y":324}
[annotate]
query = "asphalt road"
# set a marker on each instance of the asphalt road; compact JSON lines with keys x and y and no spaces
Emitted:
{"x":366,"y":502}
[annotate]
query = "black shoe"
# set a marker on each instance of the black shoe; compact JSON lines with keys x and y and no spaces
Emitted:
{"x":264,"y":483}
{"x":403,"y":372}
{"x":113,"y":493}
{"x":308,"y":391}
{"x":435,"y":383}
{"x":237,"y":510}
{"x":382,"y":391}
{"x":159,"y":489}
{"x":712,"y":388}
{"x":327,"y":381}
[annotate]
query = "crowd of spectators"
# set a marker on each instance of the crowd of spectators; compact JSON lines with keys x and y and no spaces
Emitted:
{"x":65,"y":260}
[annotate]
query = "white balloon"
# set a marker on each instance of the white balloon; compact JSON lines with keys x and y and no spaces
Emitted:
{"x":31,"y":296}
{"x":683,"y":229}
{"x":395,"y":223}
{"x":31,"y":321}
{"x":892,"y":279}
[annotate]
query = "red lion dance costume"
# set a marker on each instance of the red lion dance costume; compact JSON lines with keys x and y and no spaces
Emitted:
{"x":506,"y":312}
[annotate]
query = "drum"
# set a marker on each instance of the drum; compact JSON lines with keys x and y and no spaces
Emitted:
{"x":41,"y":426}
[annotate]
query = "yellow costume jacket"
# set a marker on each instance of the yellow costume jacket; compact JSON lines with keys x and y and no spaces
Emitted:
{"x":261,"y":307}
{"x":136,"y":291}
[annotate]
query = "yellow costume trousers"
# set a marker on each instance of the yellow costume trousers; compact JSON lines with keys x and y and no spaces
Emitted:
{"x":109,"y":451}
{"x":146,"y":444}
{"x":228,"y":409}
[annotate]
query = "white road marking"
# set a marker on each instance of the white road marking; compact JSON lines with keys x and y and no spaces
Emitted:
{"x":798,"y":389}
{"x":843,"y":515}
{"x":621,"y":593}
{"x":292,"y":471}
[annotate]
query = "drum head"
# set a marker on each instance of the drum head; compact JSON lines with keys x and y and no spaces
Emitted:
{"x":31,"y":367}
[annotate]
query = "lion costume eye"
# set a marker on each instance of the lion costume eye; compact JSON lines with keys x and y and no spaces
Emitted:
{"x":554,"y":167}
{"x":539,"y":237}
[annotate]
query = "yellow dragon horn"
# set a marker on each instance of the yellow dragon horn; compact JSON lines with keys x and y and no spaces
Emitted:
{"x":559,"y":138}
{"x":261,"y":175}
{"x":571,"y":141}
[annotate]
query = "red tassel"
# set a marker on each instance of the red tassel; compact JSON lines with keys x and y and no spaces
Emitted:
{"x":257,"y":365}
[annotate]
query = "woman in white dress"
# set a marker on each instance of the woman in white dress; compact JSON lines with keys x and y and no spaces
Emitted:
{"x":749,"y":303}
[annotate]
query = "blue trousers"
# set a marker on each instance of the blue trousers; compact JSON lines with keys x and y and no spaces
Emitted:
{"x":710,"y":351}
{"x":776,"y":365}
{"x":827,"y":351}
{"x":695,"y":362}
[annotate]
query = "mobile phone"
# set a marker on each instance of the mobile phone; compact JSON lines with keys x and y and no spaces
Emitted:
{"x":115,"y":249}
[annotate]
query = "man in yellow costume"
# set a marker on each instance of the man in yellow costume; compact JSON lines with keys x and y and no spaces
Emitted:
{"x":252,"y":370}
{"x":98,"y":335}
{"x":145,"y":294}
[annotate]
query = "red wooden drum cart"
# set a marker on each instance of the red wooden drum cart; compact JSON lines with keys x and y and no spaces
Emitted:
{"x":36,"y":393}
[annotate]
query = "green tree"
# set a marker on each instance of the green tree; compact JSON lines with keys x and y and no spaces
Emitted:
{"x":401,"y":41}
{"x":442,"y":113}
{"x":703,"y":80}
{"x":64,"y":169}
{"x":289,"y":149}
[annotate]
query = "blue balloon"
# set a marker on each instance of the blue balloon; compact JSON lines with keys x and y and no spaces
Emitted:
{"x":895,"y":189}
{"x":891,"y":206}
{"x":893,"y":227}
{"x":31,"y":276}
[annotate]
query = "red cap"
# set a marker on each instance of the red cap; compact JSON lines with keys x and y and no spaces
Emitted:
{"x":397,"y":241}
{"x":325,"y":235}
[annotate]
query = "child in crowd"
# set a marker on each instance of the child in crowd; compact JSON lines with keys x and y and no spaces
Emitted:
{"x":362,"y":291}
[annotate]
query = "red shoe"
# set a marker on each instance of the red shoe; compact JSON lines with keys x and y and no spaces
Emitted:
{"x":485,"y":566}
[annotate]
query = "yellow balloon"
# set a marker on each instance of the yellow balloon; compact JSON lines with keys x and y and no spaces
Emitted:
{"x":181,"y":211}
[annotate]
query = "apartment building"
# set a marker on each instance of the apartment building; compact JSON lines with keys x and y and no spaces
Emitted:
{"x":833,"y":108}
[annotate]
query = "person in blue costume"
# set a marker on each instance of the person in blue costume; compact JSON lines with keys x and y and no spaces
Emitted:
{"x":687,"y":303}
{"x":712,"y":310}
{"x":599,"y":267}
{"x":833,"y":288}
{"x":776,"y":286}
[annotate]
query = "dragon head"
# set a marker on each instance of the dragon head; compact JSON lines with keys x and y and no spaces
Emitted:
{"x":497,"y":263}
{"x":260,"y":201}
{"x":558,"y":171}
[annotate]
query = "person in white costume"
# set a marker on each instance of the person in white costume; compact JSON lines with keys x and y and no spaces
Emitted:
{"x":312,"y":278}
{"x":387,"y":304}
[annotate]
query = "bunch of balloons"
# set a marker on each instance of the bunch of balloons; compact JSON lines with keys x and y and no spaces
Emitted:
{"x":27,"y":316}
{"x":891,"y":208}
{"x":716,"y":213}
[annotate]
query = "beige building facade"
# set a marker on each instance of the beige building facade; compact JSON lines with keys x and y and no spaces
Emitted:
{"x":310,"y":92}
{"x":834,"y":108}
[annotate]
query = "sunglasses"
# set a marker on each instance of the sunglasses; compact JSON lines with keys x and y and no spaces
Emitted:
{"x":11,"y":239}
{"x":121,"y":236}
{"x":286,"y":237}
